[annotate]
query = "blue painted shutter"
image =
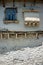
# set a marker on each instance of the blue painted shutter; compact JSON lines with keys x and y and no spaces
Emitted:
{"x":11,"y":14}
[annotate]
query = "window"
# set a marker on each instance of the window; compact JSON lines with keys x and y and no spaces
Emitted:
{"x":11,"y":14}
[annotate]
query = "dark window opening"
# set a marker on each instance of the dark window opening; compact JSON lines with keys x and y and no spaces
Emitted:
{"x":11,"y":14}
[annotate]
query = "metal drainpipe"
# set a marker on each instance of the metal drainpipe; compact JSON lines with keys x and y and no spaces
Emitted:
{"x":24,"y":3}
{"x":34,"y":2}
{"x":13,"y":3}
{"x":3,"y":2}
